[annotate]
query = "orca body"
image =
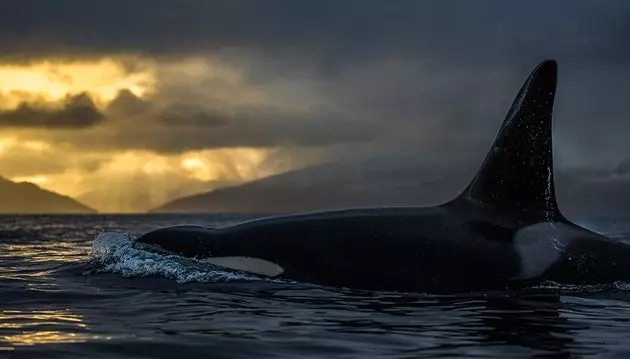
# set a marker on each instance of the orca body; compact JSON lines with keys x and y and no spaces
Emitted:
{"x":504,"y":231}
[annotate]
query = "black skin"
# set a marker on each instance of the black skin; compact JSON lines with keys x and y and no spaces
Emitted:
{"x":467,"y":244}
{"x":449,"y":248}
{"x":400,"y":249}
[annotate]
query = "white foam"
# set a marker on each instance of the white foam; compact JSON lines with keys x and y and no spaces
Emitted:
{"x":115,"y":253}
{"x":584,"y":288}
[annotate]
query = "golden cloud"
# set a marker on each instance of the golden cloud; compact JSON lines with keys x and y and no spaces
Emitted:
{"x":155,"y":131}
{"x":54,"y":80}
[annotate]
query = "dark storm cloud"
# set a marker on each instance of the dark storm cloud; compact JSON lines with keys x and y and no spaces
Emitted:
{"x":130,"y":122}
{"x":324,"y":30}
{"x":128,"y":104}
{"x":624,"y":167}
{"x":78,"y":112}
{"x":260,"y":127}
{"x":194,"y":116}
{"x":438,"y":74}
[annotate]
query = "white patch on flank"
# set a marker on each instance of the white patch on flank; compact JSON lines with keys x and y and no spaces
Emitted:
{"x":248,"y":264}
{"x":540,"y":246}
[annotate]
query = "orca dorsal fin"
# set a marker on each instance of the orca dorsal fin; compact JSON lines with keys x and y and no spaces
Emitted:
{"x":517,"y":174}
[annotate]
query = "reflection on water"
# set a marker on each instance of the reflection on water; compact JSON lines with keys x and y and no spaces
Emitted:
{"x":15,"y":319}
{"x":18,"y":328}
{"x":49,"y":337}
{"x":529,"y":322}
{"x":44,"y":252}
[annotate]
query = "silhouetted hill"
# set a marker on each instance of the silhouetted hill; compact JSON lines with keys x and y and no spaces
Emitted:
{"x":330,"y":186}
{"x":27,"y":198}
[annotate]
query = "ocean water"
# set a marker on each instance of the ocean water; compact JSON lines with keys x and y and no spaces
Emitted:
{"x":69,"y":288}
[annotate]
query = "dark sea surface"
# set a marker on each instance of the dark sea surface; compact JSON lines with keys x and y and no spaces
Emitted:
{"x":68,"y":290}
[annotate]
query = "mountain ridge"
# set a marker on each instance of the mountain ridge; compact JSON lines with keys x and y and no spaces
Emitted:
{"x":29,"y":198}
{"x":339,"y":185}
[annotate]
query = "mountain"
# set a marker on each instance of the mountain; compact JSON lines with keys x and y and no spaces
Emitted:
{"x":335,"y":186}
{"x":27,"y":198}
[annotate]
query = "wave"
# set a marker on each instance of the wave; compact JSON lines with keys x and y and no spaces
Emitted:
{"x":569,"y":289}
{"x":114,"y":252}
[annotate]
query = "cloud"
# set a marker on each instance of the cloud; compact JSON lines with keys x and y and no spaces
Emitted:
{"x":168,"y":122}
{"x":25,"y":158}
{"x":623,"y":168}
{"x":171,"y":133}
{"x":320,"y":80}
{"x":26,"y":162}
{"x":126,"y":103}
{"x":181,"y":115}
{"x":325,"y":31}
{"x":78,"y":112}
{"x":416,"y":73}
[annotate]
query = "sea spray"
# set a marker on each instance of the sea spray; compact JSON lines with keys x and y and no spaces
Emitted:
{"x":115,"y":253}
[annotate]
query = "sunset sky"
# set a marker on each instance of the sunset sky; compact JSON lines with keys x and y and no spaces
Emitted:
{"x":107,"y":100}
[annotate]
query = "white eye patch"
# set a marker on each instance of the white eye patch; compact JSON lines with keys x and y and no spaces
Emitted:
{"x":248,"y":264}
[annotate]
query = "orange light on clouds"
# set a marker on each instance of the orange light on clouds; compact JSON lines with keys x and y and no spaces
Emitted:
{"x":52,"y":81}
{"x":38,"y":180}
{"x":192,"y":163}
{"x":6,"y":143}
{"x":37,"y":146}
{"x":242,"y":164}
{"x":115,"y":179}
{"x":156,"y":165}
{"x":153,"y":176}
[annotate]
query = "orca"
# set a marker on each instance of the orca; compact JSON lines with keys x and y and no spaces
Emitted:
{"x":505,"y":231}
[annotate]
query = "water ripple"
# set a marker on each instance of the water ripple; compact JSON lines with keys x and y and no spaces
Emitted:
{"x":70,"y":288}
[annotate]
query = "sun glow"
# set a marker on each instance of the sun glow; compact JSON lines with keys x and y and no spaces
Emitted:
{"x":129,"y":181}
{"x":37,"y":146}
{"x":136,"y":181}
{"x":192,"y":163}
{"x":115,"y":177}
{"x":38,"y":180}
{"x":237,"y":164}
{"x":54,"y":80}
{"x":6,"y":143}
